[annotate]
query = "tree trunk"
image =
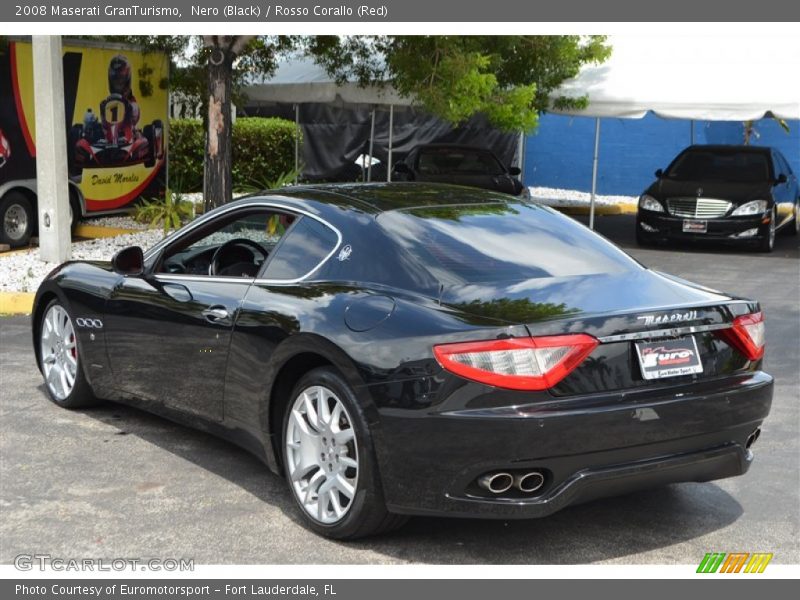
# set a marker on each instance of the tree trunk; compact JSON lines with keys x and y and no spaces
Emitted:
{"x":217,"y":179}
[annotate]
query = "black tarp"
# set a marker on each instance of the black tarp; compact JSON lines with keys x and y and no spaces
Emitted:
{"x":335,"y":136}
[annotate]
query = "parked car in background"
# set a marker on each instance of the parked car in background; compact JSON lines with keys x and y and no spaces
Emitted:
{"x":742,"y":194}
{"x":415,"y":349}
{"x":460,"y":165}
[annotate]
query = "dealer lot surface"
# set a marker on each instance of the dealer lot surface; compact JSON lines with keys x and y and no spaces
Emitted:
{"x":117,"y":482}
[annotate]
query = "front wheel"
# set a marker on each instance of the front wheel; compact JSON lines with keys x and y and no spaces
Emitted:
{"x":767,"y":243}
{"x":329,"y":460}
{"x":60,"y":359}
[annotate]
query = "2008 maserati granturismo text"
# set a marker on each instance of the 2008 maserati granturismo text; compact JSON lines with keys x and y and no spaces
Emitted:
{"x":415,"y":349}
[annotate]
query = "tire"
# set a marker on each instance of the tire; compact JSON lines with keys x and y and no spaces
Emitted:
{"x":348,"y":458}
{"x":74,"y":211}
{"x":767,"y":242}
{"x":17,"y":219}
{"x":60,"y":358}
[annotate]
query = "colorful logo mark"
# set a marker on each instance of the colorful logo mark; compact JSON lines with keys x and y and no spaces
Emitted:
{"x":734,"y":562}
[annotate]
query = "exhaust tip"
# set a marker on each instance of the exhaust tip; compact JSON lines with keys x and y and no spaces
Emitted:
{"x":751,"y":439}
{"x":529,"y":482}
{"x":496,"y":483}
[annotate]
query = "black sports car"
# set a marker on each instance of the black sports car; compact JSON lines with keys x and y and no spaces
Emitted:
{"x":742,"y":194}
{"x":460,"y":164}
{"x":412,"y":349}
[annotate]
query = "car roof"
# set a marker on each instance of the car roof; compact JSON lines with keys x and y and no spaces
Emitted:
{"x":731,"y":148}
{"x":381,"y":197}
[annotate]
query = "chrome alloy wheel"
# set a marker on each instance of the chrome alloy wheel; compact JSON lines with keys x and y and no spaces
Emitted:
{"x":322,"y":455}
{"x":15,"y":222}
{"x":59,"y":352}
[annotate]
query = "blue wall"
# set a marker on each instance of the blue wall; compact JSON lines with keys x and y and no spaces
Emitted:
{"x":559,"y":154}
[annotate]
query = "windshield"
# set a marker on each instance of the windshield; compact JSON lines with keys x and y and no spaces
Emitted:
{"x":715,"y":165}
{"x":501,"y":242}
{"x":446,"y":161}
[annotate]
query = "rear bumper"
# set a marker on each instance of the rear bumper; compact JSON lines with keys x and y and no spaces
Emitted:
{"x":586,"y":449}
{"x":669,"y":227}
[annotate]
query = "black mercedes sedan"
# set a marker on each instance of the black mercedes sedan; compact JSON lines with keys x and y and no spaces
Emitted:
{"x":415,"y":349}
{"x":737,"y":194}
{"x":460,"y":164}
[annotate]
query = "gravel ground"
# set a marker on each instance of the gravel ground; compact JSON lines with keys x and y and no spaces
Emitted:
{"x":560,"y":197}
{"x":120,"y":221}
{"x":24,"y":271}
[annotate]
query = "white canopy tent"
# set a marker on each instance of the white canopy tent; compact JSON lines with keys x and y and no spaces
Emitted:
{"x":713,"y":78}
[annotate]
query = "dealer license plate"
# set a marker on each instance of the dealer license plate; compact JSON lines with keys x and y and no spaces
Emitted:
{"x":694,"y":226}
{"x":669,"y":358}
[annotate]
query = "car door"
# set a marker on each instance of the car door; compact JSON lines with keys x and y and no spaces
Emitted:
{"x":168,"y":332}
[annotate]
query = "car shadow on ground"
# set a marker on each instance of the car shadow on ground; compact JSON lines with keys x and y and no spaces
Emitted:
{"x":601,"y":530}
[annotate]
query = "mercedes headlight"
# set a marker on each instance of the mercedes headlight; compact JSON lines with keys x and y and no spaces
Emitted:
{"x":649,"y":203}
{"x":755,"y":207}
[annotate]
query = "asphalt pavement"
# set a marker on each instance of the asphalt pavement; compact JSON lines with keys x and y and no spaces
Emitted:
{"x":117,"y":482}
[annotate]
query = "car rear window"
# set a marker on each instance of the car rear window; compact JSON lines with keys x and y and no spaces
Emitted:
{"x":735,"y":166}
{"x":501,"y":242}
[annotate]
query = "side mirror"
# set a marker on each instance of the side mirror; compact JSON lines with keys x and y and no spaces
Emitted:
{"x":402,"y":167}
{"x":781,"y":179}
{"x":129,"y":262}
{"x":514,"y":171}
{"x":659,"y":173}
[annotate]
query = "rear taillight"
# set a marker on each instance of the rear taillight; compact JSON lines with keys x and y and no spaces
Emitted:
{"x":517,"y":363}
{"x":746,"y":335}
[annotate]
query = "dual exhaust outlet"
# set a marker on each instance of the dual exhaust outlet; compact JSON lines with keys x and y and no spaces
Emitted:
{"x":751,"y":439}
{"x":500,"y":482}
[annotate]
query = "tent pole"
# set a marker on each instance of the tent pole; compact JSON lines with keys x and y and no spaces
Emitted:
{"x":691,"y":132}
{"x":371,"y":143}
{"x":594,"y":170}
{"x":391,"y":131}
{"x":521,"y":156}
{"x":296,"y":142}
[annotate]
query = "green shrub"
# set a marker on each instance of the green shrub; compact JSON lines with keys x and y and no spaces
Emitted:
{"x":263,"y":149}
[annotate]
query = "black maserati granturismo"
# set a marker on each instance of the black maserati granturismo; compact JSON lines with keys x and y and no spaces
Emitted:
{"x":415,"y":349}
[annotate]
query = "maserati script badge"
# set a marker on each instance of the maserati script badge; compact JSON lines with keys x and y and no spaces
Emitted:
{"x":662,"y":319}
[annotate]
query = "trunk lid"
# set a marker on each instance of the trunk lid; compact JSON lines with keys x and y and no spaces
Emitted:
{"x":620,"y":310}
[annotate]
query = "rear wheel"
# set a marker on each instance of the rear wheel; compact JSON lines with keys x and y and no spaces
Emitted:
{"x":330,"y":462}
{"x":74,"y":211}
{"x":16,"y":219}
{"x":60,"y":359}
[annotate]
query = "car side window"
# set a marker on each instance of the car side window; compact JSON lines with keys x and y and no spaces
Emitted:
{"x":304,"y":248}
{"x":233,"y":246}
